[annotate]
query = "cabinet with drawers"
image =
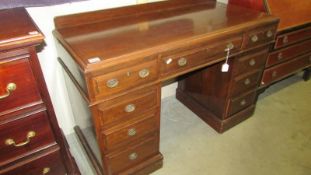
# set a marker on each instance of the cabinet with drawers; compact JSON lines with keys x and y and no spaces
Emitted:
{"x":291,"y":52}
{"x":116,"y":60}
{"x":30,"y":140}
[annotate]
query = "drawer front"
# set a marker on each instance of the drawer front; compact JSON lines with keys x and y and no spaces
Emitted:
{"x":250,"y":63}
{"x":245,"y":83}
{"x":126,"y":133}
{"x":293,"y":37}
{"x":259,"y":37}
{"x":49,"y":164}
{"x":288,"y":53}
{"x":285,"y":69}
{"x":24,"y":136}
{"x":241,"y":103}
{"x":18,"y":87}
{"x":128,"y":106}
{"x":133,"y":155}
{"x":180,"y":62}
{"x":125,"y":79}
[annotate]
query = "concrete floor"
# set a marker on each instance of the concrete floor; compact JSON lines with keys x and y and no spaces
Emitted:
{"x":275,"y":141}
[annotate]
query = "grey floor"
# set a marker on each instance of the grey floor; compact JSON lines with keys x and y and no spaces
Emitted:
{"x":275,"y":141}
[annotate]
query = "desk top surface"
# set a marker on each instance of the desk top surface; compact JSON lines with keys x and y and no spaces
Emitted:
{"x":292,"y":13}
{"x":109,"y":35}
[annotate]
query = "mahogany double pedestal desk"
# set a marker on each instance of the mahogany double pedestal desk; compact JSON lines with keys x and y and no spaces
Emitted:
{"x":117,"y":59}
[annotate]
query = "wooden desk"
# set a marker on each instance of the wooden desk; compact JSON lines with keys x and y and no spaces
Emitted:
{"x":116,"y":60}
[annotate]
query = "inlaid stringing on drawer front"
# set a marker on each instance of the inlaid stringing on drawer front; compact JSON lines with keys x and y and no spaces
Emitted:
{"x":261,"y":36}
{"x":189,"y":59}
{"x":125,"y":133}
{"x":128,"y":106}
{"x":293,"y":37}
{"x":288,"y":53}
{"x":241,"y":103}
{"x":124,"y":79}
{"x":125,"y":158}
{"x":17,"y":91}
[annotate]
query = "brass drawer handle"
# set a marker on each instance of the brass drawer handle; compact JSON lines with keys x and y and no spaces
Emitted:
{"x":269,"y":34}
{"x":112,"y":83}
{"x":285,"y":39}
{"x":133,"y":156}
{"x":243,"y":103}
{"x":46,"y":170}
{"x":182,"y":62}
{"x":274,"y":74}
{"x":9,"y":89}
{"x":130,"y":108}
{"x":254,"y":38}
{"x":252,"y":62}
{"x":131,"y":132}
{"x":144,"y":73}
{"x":247,"y":81}
{"x":30,"y":135}
{"x":230,"y":46}
{"x":280,"y":56}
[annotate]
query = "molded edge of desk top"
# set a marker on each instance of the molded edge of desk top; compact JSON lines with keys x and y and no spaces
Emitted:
{"x":142,"y":34}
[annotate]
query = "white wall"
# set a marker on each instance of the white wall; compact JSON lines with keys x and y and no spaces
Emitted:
{"x":43,"y":16}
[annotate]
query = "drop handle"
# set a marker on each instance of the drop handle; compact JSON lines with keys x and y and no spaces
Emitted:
{"x":254,"y":38}
{"x":9,"y":89}
{"x":29,"y":136}
{"x":144,"y":73}
{"x":269,"y":34}
{"x":133,"y":156}
{"x":46,"y":170}
{"x":131,"y":132}
{"x":252,"y":62}
{"x":182,"y":62}
{"x":243,"y":102}
{"x":112,"y":83}
{"x":247,"y":81}
{"x":130,"y":108}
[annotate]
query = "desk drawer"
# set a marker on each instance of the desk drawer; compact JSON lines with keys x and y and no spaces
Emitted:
{"x":179,"y":62}
{"x":18,"y":88}
{"x":248,"y":63}
{"x":128,"y":106}
{"x":288,"y":53}
{"x":125,"y":133}
{"x":285,"y":69}
{"x":133,"y":155}
{"x":124,"y":79}
{"x":22,"y":137}
{"x":292,"y":37}
{"x":260,"y":37}
{"x":245,"y":83}
{"x":48,"y":163}
{"x":241,"y":103}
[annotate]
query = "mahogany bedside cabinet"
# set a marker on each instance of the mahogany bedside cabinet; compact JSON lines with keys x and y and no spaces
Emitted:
{"x":31,"y":142}
{"x":116,"y":60}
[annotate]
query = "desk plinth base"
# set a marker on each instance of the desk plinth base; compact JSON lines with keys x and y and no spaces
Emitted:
{"x":216,"y":123}
{"x":145,"y":168}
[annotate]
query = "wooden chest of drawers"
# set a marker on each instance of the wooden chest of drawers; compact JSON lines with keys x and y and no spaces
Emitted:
{"x":291,"y":52}
{"x":30,"y":140}
{"x":115,"y":61}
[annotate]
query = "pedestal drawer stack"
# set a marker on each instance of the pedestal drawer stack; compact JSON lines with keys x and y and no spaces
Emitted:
{"x":30,"y":140}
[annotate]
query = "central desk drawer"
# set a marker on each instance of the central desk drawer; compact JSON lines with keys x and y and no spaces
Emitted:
{"x":175,"y":63}
{"x":124,"y":79}
{"x":128,"y":106}
{"x":125,"y":133}
{"x":133,"y":155}
{"x":24,"y":136}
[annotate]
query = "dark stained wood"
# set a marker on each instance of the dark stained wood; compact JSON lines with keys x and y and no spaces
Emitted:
{"x":49,"y":161}
{"x":29,"y":106}
{"x":118,"y":58}
{"x":253,"y":4}
{"x":18,"y":130}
